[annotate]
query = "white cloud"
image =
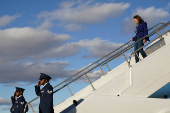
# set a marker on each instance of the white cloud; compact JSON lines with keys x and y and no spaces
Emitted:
{"x":46,"y":25}
{"x":73,"y":27}
{"x":16,"y":84}
{"x":93,"y":76}
{"x":6,"y":19}
{"x":151,"y":15}
{"x":22,"y":72}
{"x":30,"y":73}
{"x":76,"y":14}
{"x":168,"y":6}
{"x":22,"y":54}
{"x":96,"y":47}
{"x":23,"y":51}
{"x":26,"y":71}
{"x":6,"y":108}
{"x":28,"y":43}
{"x":34,"y":104}
{"x":102,"y":48}
{"x":21,"y":43}
{"x":4,"y":101}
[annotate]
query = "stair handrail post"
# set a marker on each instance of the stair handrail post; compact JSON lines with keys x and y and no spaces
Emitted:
{"x":126,"y":60}
{"x":31,"y":107}
{"x":108,"y":67}
{"x":69,"y":88}
{"x":101,"y":68}
{"x":90,"y":82}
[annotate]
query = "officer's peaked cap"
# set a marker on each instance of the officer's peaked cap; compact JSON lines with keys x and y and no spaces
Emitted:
{"x":19,"y":89}
{"x":44,"y":76}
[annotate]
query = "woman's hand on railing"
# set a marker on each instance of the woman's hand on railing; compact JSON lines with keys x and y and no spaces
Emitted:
{"x":144,"y":40}
{"x":131,"y":40}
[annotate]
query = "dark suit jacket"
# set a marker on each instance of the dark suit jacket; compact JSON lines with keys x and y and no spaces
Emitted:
{"x":46,"y":98}
{"x":142,"y":31}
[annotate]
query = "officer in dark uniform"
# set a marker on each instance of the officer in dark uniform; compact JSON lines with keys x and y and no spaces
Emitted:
{"x":46,"y":94}
{"x":19,"y":104}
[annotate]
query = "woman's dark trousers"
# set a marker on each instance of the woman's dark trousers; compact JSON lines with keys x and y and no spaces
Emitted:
{"x":137,"y":46}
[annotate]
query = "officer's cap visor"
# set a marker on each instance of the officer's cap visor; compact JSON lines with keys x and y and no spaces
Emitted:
{"x":41,"y":78}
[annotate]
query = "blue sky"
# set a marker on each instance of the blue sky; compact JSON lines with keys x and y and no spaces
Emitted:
{"x":59,"y":37}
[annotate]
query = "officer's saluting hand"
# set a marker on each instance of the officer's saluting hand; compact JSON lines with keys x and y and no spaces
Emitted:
{"x":46,"y":94}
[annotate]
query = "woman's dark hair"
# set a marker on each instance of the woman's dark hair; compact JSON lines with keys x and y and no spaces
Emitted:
{"x":139,"y":18}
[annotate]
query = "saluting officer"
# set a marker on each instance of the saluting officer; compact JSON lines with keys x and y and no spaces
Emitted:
{"x":18,"y":104}
{"x":46,"y":94}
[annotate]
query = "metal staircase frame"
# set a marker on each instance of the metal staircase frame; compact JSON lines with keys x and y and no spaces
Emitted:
{"x":109,"y":57}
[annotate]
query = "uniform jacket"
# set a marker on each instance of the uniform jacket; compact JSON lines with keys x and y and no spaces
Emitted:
{"x":142,"y":30}
{"x":46,"y":98}
{"x":18,"y":105}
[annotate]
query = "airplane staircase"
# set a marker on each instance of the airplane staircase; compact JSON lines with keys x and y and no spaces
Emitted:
{"x":127,"y":87}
